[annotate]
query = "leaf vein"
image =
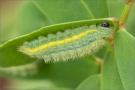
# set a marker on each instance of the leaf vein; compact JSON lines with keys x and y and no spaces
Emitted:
{"x":88,"y":10}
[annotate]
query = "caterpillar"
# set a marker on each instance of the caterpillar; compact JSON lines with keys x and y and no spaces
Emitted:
{"x":24,"y":70}
{"x":72,"y":43}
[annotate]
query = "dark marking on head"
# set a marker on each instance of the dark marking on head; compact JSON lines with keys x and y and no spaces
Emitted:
{"x":105,"y":24}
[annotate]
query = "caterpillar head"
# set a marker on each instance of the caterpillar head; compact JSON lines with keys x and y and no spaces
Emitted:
{"x":105,"y":29}
{"x":105,"y":24}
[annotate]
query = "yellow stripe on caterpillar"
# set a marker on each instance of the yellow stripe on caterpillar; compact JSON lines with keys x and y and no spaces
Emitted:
{"x":75,"y":37}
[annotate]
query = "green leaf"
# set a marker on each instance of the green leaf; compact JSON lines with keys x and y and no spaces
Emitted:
{"x":30,"y":18}
{"x":124,"y":49}
{"x":101,"y":53}
{"x":91,"y":83}
{"x":62,"y":74}
{"x":71,"y":73}
{"x":110,"y":78}
{"x":10,"y":56}
{"x":59,"y":11}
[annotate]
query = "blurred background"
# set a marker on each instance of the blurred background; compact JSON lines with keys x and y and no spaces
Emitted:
{"x":19,"y":17}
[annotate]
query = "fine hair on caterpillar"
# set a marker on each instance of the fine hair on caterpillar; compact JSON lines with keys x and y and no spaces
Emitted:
{"x":71,"y":44}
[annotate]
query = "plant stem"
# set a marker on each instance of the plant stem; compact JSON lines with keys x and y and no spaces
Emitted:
{"x":125,"y":13}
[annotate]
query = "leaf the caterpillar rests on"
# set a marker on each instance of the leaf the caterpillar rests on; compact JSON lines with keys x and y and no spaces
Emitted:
{"x":72,"y":43}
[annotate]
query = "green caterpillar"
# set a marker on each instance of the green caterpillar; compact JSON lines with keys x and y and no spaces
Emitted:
{"x":70,"y":44}
{"x":24,"y":70}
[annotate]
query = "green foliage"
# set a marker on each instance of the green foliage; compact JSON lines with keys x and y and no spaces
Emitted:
{"x":117,"y":70}
{"x":60,"y":11}
{"x":110,"y":78}
{"x":63,"y":74}
{"x":90,"y":83}
{"x":124,"y":49}
{"x":17,"y":58}
{"x":30,"y":18}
